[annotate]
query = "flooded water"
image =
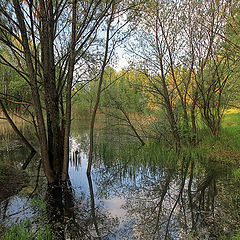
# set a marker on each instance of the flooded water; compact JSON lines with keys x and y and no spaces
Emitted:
{"x":131,"y":199}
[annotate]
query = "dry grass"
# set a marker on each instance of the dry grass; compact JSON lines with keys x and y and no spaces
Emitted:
{"x":7,"y":134}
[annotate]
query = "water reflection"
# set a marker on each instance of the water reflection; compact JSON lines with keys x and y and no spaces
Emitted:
{"x":78,"y":217}
{"x":129,"y":200}
{"x":175,"y":203}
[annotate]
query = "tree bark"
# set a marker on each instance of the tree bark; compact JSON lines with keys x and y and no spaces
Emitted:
{"x":35,"y":94}
{"x":47,"y":35}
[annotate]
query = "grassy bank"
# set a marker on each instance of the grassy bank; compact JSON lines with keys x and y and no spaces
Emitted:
{"x":225,"y":147}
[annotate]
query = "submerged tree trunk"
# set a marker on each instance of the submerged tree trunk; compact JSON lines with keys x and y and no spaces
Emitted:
{"x":94,"y":218}
{"x":55,"y":211}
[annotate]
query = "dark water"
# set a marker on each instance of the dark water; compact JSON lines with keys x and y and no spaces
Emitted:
{"x":188,"y":199}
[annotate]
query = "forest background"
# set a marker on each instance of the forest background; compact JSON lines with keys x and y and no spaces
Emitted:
{"x":180,"y":87}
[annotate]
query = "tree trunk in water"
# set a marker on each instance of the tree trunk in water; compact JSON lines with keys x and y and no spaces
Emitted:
{"x":55,"y":143}
{"x":99,"y":94}
{"x":93,"y":207}
{"x":55,"y":211}
{"x":68,"y":97}
{"x":35,"y":93}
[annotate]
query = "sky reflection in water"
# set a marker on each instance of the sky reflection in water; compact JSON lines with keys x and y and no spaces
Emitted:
{"x":125,"y":201}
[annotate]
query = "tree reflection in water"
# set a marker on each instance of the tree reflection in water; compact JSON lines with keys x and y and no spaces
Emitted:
{"x":77,"y":218}
{"x":157,"y":200}
{"x":174,"y":203}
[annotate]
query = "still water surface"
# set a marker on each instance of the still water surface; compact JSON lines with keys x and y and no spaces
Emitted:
{"x":188,"y":199}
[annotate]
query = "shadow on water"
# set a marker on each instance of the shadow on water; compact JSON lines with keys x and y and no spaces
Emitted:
{"x":135,"y":199}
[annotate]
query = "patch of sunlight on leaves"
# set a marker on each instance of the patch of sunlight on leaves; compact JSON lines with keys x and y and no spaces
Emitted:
{"x":233,"y":110}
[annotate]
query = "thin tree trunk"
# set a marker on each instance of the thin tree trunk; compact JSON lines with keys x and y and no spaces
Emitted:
{"x":28,"y":160}
{"x":68,"y":97}
{"x":193,"y":119}
{"x":132,"y":127}
{"x":99,"y":93}
{"x":168,"y":106}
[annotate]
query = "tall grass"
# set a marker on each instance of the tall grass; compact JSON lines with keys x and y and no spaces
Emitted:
{"x":236,"y":236}
{"x":226,"y":146}
{"x":223,"y":149}
{"x":153,"y":154}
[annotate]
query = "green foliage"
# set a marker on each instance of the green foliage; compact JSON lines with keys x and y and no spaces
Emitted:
{"x":24,"y":231}
{"x":236,"y":236}
{"x":232,"y":28}
{"x":12,"y":86}
{"x":120,"y":90}
{"x":236,"y":174}
{"x":20,"y":231}
{"x":225,"y":147}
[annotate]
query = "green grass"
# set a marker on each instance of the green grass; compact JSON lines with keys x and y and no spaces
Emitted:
{"x":236,"y":236}
{"x":24,"y":231}
{"x":223,"y":149}
{"x":226,"y":146}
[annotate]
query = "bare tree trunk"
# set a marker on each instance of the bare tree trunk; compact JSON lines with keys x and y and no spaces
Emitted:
{"x":99,"y":93}
{"x":132,"y":127}
{"x":68,"y":96}
{"x":193,"y":118}
{"x":55,"y":149}
{"x":167,"y":103}
{"x":35,"y":94}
